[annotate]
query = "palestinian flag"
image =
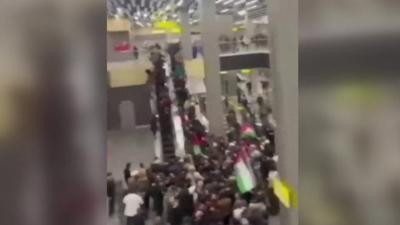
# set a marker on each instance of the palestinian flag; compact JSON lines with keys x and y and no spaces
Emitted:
{"x":196,"y":146}
{"x":244,"y":174}
{"x":248,"y":132}
{"x":197,"y":150}
{"x":245,"y":153}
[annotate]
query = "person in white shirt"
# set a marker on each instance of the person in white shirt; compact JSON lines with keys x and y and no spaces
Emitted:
{"x":132,"y":203}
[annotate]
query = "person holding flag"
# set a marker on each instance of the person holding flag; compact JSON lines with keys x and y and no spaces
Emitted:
{"x":248,"y":133}
{"x":197,"y":149}
{"x":244,"y":173}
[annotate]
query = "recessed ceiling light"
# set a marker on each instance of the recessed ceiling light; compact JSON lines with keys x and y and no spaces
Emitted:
{"x":242,"y":12}
{"x":228,"y":2}
{"x":194,"y":21}
{"x":180,"y":3}
{"x":239,"y":22}
{"x":139,"y":23}
{"x":239,"y":2}
{"x":224,"y":11}
{"x":252,"y":7}
{"x":252,"y":2}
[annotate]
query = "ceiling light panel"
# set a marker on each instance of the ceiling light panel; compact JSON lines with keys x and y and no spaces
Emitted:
{"x":242,"y":12}
{"x":239,"y":2}
{"x":228,"y":2}
{"x":251,"y":2}
{"x":180,"y":3}
{"x":224,"y":11}
{"x":252,"y":7}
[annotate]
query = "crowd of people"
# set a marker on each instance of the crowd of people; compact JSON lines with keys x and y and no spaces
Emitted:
{"x":202,"y":189}
{"x":224,"y":180}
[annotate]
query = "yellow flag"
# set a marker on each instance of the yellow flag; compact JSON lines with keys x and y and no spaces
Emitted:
{"x":285,"y":193}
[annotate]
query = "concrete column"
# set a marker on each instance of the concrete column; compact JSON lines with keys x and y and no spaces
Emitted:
{"x":186,"y":41}
{"x":255,"y":86}
{"x":209,"y":39}
{"x":284,"y":65}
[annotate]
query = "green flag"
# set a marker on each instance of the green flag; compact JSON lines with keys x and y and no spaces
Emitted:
{"x":244,"y":176}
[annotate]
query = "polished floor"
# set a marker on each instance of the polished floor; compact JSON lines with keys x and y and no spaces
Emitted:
{"x":134,"y":146}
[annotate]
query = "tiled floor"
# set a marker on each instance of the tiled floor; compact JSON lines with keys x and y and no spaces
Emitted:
{"x":129,"y":146}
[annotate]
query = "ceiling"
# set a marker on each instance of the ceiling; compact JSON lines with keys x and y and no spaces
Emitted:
{"x":144,"y":12}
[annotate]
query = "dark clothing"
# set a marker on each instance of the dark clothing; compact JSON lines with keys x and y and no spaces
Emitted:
{"x":175,"y":216}
{"x":158,"y":199}
{"x":135,"y":52}
{"x":110,"y":188}
{"x":274,"y":207}
{"x":135,"y":220}
{"x":111,"y":195}
{"x":146,"y":200}
{"x":153,"y":125}
{"x":194,"y":51}
{"x":247,"y":196}
{"x":186,"y":203}
{"x":127,"y":175}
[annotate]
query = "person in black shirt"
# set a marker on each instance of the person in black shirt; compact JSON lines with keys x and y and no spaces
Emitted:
{"x":127,"y":172}
{"x":186,"y":203}
{"x":110,"y":193}
{"x":154,"y":125}
{"x":175,"y":215}
{"x":135,"y":52}
{"x":158,"y":198}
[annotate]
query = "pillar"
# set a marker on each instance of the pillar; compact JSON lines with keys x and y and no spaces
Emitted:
{"x":186,"y":40}
{"x":284,"y":64}
{"x":209,"y":40}
{"x":255,"y":86}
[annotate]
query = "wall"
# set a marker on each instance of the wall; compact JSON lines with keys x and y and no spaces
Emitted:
{"x":114,"y":38}
{"x":225,"y":25}
{"x":139,"y":95}
{"x":128,"y":73}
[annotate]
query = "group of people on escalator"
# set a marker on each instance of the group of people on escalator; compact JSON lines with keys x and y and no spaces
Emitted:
{"x":205,"y":186}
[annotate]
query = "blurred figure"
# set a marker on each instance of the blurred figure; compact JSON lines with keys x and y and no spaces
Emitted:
{"x":186,"y":203}
{"x":157,"y":195}
{"x":175,"y":215}
{"x":135,"y":52}
{"x":194,"y":50}
{"x":154,"y":125}
{"x":133,"y":203}
{"x":141,"y":178}
{"x":110,"y":193}
{"x":127,"y":173}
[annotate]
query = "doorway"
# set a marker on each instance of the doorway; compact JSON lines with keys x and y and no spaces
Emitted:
{"x":127,"y":115}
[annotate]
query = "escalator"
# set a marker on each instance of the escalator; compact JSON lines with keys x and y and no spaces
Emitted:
{"x":163,"y":103}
